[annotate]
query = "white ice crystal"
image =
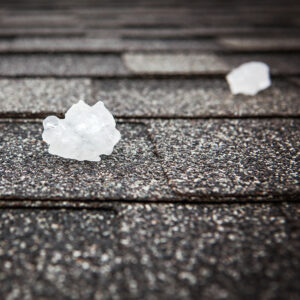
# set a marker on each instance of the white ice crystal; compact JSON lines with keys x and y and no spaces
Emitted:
{"x":249,"y":78}
{"x":84,"y":134}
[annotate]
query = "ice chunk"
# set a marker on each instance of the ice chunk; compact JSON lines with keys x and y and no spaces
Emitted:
{"x":84,"y":134}
{"x":249,"y":78}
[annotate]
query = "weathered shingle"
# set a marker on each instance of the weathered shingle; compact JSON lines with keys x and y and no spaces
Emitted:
{"x":279,"y":63}
{"x":27,"y":97}
{"x":214,"y":159}
{"x":150,"y":252}
{"x":119,"y":248}
{"x":61,"y":65}
{"x":37,"y":20}
{"x":193,"y":98}
{"x":205,"y":64}
{"x":260,"y":44}
{"x":28,"y":171}
{"x":98,"y":45}
{"x":175,"y":63}
{"x":192,"y":32}
{"x":42,"y":32}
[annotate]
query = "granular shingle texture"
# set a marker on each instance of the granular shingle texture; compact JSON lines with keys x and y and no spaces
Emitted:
{"x":261,"y":44}
{"x":27,"y":97}
{"x":37,"y":20}
{"x":98,"y":45}
{"x":199,"y":199}
{"x":63,"y":65}
{"x":175,"y":63}
{"x":223,"y":158}
{"x":185,"y":32}
{"x":206,"y":64}
{"x":146,"y":97}
{"x":28,"y":171}
{"x":280,"y":64}
{"x":193,"y":98}
{"x":41,"y":32}
{"x":150,"y":252}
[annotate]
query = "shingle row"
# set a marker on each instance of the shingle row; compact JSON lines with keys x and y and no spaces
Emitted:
{"x":139,"y":64}
{"x":98,"y":45}
{"x":151,"y":251}
{"x":217,"y":159}
{"x":147,"y":98}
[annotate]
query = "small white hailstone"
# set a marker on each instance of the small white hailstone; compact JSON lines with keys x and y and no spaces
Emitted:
{"x":249,"y":78}
{"x":84,"y":134}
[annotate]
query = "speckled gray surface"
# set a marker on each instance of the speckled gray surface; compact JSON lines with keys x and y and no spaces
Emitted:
{"x":260,"y":44}
{"x":38,"y":20}
{"x":61,"y":65}
{"x":159,"y":63}
{"x":151,"y":252}
{"x":146,"y":97}
{"x":27,"y":97}
{"x":156,"y":219}
{"x":218,"y":158}
{"x":41,"y":32}
{"x":206,"y":64}
{"x":279,"y":63}
{"x":94,"y":45}
{"x":28,"y":171}
{"x":184,"y":33}
{"x":193,"y":98}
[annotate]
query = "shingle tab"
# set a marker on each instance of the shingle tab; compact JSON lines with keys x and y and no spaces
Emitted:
{"x":37,"y":20}
{"x":260,"y":44}
{"x":191,"y":32}
{"x":215,"y":159}
{"x":279,"y":63}
{"x":61,"y":65}
{"x":77,"y":45}
{"x":193,"y":98}
{"x":205,"y":64}
{"x":28,"y":171}
{"x":41,"y":32}
{"x":26,"y":97}
{"x":150,"y":252}
{"x":175,"y":63}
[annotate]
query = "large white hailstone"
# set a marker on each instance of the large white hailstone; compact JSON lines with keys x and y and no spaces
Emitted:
{"x":249,"y":78}
{"x":84,"y":134}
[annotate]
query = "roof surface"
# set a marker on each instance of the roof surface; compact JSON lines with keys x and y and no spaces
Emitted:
{"x":199,"y":200}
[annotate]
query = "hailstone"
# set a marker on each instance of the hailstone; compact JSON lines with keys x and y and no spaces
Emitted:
{"x":85,"y":133}
{"x":249,"y":78}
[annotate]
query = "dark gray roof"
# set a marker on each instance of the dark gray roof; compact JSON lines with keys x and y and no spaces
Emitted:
{"x":151,"y":251}
{"x":225,"y":158}
{"x":200,"y":199}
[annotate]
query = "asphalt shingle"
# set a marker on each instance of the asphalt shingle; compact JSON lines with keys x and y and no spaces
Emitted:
{"x":175,"y":63}
{"x":279,"y":63}
{"x":193,"y":32}
{"x":37,"y":20}
{"x":98,"y":45}
{"x":224,"y":159}
{"x":193,"y":98}
{"x":61,"y":65}
{"x":27,"y":97}
{"x":260,"y":44}
{"x":152,"y":227}
{"x":150,"y":252}
{"x":28,"y":172}
{"x":42,"y":32}
{"x":205,"y":64}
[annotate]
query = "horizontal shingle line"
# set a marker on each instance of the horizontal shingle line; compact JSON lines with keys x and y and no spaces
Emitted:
{"x":111,"y":205}
{"x":135,"y":76}
{"x":38,"y":117}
